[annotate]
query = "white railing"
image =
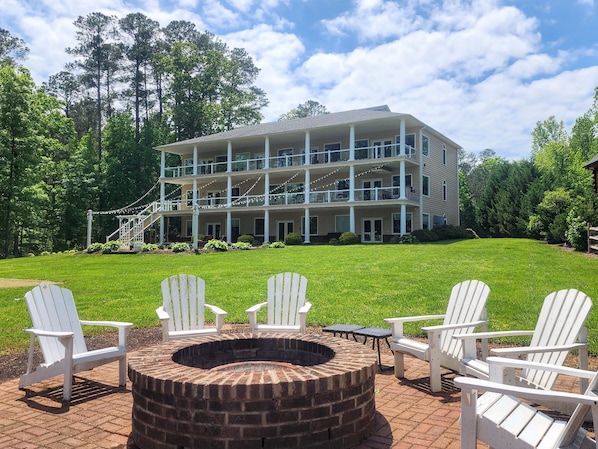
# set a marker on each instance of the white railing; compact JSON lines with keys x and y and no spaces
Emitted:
{"x":284,"y":199}
{"x":132,"y":227}
{"x":292,"y":160}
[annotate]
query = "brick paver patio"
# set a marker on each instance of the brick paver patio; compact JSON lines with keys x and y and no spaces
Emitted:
{"x":408,"y":415}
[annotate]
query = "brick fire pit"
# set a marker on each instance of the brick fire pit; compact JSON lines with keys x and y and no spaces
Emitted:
{"x":248,"y":391}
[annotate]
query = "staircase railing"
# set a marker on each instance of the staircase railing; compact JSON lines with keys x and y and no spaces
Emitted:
{"x":132,"y":227}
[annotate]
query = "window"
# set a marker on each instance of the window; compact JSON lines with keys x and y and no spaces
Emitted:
{"x":285,"y":157}
{"x":425,"y":221}
{"x":425,"y":146}
{"x":333,"y":151}
{"x":342,"y":189}
{"x":241,"y":162}
{"x":189,"y":228}
{"x":342,"y":223}
{"x":396,"y":183}
{"x":188,"y":166}
{"x":221,"y":163}
{"x":396,"y":223}
{"x":425,"y":185}
{"x":213,"y":198}
{"x":190,"y":197}
{"x":258,"y":226}
{"x":361,"y":149}
{"x":313,"y":225}
{"x":444,"y":190}
{"x":444,"y":154}
{"x":409,"y":144}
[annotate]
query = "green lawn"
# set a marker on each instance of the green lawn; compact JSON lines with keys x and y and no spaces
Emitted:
{"x":347,"y":284}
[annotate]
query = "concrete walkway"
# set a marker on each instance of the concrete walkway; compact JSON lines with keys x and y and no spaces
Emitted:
{"x":408,"y":415}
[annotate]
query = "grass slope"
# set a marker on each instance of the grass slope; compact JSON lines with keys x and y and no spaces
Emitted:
{"x":347,"y":284}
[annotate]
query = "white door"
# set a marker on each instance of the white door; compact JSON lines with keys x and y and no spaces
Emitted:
{"x":213,"y":229}
{"x":370,"y":189}
{"x":283,"y":229}
{"x":371,"y":231}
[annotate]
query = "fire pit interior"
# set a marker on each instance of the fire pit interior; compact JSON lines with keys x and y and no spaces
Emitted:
{"x":253,"y":391}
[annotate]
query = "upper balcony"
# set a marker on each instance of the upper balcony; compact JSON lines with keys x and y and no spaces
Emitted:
{"x":284,"y":159}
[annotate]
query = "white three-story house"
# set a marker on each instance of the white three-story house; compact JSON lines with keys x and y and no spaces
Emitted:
{"x":370,"y":171}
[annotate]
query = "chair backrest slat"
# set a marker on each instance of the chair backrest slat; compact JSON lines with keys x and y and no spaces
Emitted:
{"x":560,"y":322}
{"x":183,"y":298}
{"x":286,"y":295}
{"x":467,"y":304}
{"x":52,"y":308}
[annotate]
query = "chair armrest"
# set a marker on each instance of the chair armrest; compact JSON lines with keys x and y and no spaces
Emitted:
{"x":123,"y":329}
{"x":469,"y":384}
{"x":252,"y":313}
{"x":444,"y":327}
{"x":43,"y":333}
{"x":118,"y":324}
{"x":497,"y":365}
{"x":162,"y":314}
{"x":518,"y":350}
{"x":305,"y":308}
{"x":219,"y":313}
{"x":485,"y":335}
{"x":397,"y":323}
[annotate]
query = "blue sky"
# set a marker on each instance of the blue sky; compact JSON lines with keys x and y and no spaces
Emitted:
{"x":483,"y":72}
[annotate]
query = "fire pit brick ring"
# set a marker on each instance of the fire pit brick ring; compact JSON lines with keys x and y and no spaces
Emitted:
{"x":246,"y":391}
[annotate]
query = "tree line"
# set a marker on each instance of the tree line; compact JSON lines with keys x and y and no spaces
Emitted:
{"x":84,"y":139}
{"x":548,"y":197}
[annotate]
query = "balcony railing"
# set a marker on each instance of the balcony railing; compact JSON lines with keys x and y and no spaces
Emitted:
{"x":282,"y":199}
{"x":292,"y":160}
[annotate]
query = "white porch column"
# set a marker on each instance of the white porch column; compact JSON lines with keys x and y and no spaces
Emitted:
{"x":195,"y":217}
{"x":403,"y":219}
{"x":306,"y":226}
{"x":89,"y":223}
{"x":352,"y":143}
{"x":229,"y":191}
{"x":162,"y":193}
{"x":351,"y":183}
{"x":267,"y":152}
{"x":267,"y":189}
{"x":306,"y":186}
{"x":307,"y":148}
{"x":229,"y":157}
{"x":352,"y":219}
{"x":402,"y":142}
{"x":229,"y":227}
{"x":402,"y":180}
{"x":195,"y":161}
{"x":266,"y":226}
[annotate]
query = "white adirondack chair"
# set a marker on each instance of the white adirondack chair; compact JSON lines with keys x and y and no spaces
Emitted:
{"x":57,"y":327}
{"x":559,"y":329}
{"x":287,"y":305}
{"x":466,"y":310}
{"x":182,"y":312}
{"x":500,"y":418}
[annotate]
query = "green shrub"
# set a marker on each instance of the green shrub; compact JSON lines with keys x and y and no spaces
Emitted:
{"x":293,"y":239}
{"x":246,"y":238}
{"x":200,"y":237}
{"x":333,"y":241}
{"x":95,"y":248}
{"x":577,"y":231}
{"x":408,"y":239}
{"x":425,"y":235}
{"x":45,"y":253}
{"x":149,"y":247}
{"x":111,"y":247}
{"x":216,"y":245}
{"x":242,"y":245}
{"x":180,"y":247}
{"x":348,"y":238}
{"x":395,"y":239}
{"x":277,"y":245}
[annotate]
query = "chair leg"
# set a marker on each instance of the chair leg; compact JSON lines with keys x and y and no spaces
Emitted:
{"x":122,"y":372}
{"x":435,"y":377}
{"x":399,"y":364}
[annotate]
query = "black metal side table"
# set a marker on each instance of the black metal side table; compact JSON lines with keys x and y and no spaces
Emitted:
{"x":376,"y":334}
{"x":342,"y":329}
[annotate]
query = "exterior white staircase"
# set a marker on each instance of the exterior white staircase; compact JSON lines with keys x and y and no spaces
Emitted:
{"x":131,"y":227}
